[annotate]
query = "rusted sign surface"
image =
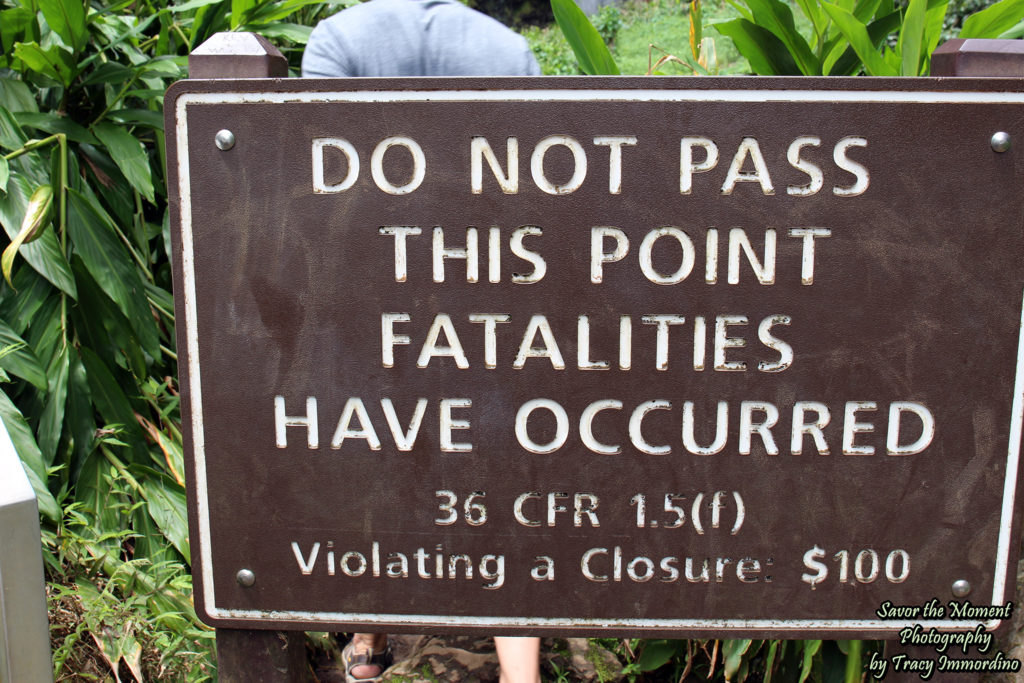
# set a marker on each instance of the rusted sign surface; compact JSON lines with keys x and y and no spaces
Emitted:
{"x":628,"y":355}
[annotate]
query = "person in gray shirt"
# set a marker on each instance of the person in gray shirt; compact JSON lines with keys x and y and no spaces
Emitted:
{"x":384,"y":38}
{"x":415,"y":38}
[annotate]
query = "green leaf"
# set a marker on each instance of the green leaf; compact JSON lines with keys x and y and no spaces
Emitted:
{"x":656,"y":654}
{"x":16,"y":24}
{"x":20,"y":304}
{"x":67,"y":18}
{"x":167,"y":507}
{"x":139,"y":117}
{"x":11,"y":134}
{"x":811,"y":648}
{"x":37,"y":217}
{"x":54,"y":123}
{"x":777,"y":18}
{"x":5,"y":173}
{"x":192,"y":4}
{"x":239,"y":8}
{"x":112,"y":404}
{"x":911,"y":39}
{"x":44,"y":255}
{"x":15,"y":95}
{"x":860,"y":40}
{"x":93,"y":491}
{"x":54,"y":61}
{"x":295,"y":33}
{"x":591,"y":52}
{"x":992,"y":21}
{"x":17,"y":358}
{"x":769,"y":662}
{"x":129,"y":155}
{"x":764,"y":51}
{"x":852,"y":673}
{"x":79,"y":415}
{"x":51,"y":423}
{"x":109,"y":72}
{"x":733,"y":651}
{"x":31,"y":456}
{"x":106,"y":260}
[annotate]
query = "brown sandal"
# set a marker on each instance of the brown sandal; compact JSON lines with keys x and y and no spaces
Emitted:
{"x":379,"y":659}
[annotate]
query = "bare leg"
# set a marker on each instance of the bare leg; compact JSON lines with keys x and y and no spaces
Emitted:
{"x":367,"y":643}
{"x":519,"y":659}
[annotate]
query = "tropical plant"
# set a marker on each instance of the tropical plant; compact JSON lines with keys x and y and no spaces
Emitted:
{"x":87,"y":344}
{"x":848,"y":37}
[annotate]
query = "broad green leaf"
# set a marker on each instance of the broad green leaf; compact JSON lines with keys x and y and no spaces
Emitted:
{"x":295,"y":33}
{"x":811,"y":10}
{"x":764,"y":51}
{"x":44,"y":255}
{"x":93,"y":492}
{"x":167,"y":507}
{"x":15,"y":95}
{"x":239,"y":9}
{"x":109,"y":72}
{"x":166,"y":66}
{"x":17,"y":358}
{"x":37,"y":216}
{"x":769,"y":662}
{"x":193,"y":4}
{"x":811,"y":648}
{"x":19,"y":305}
{"x":54,"y":123}
{"x":54,"y":61}
{"x":28,"y":451}
{"x":733,"y":651}
{"x":11,"y":135}
{"x":777,"y":17}
{"x":274,"y":11}
{"x":102,"y":326}
{"x":860,"y":41}
{"x":853,"y":649}
{"x":992,"y":21}
{"x":51,"y":423}
{"x":129,"y":155}
{"x":209,"y":20}
{"x":110,"y":265}
{"x":656,"y":654}
{"x":67,"y":18}
{"x":1016,"y":31}
{"x":112,"y":404}
{"x":16,"y":24}
{"x":5,"y":173}
{"x":142,"y":117}
{"x":591,"y":52}
{"x":911,"y":39}
{"x":79,"y":416}
{"x":150,"y":543}
{"x":934,"y":22}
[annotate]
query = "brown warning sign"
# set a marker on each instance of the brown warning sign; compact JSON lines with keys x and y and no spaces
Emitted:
{"x":685,"y":356}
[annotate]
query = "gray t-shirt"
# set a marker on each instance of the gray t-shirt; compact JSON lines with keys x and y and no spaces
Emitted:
{"x":415,"y":38}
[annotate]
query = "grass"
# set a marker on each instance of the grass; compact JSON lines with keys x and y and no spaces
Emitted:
{"x":649,"y":30}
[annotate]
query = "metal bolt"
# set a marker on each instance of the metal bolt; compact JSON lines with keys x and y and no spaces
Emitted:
{"x":245,"y":577}
{"x":225,"y":139}
{"x":1001,"y":142}
{"x":961,"y":588}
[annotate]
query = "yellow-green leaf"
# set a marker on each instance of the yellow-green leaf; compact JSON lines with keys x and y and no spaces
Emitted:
{"x":36,"y":217}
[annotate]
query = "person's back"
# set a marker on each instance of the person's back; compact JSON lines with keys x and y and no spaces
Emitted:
{"x":415,"y":38}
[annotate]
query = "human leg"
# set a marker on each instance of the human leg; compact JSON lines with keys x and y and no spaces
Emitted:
{"x":519,"y":659}
{"x":366,"y":656}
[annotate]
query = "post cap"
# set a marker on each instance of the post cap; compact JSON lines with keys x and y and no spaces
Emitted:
{"x":237,"y":55}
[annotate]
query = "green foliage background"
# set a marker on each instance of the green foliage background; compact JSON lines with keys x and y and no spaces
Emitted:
{"x":88,"y":372}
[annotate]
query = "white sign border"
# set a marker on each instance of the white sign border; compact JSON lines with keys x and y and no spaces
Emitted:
{"x":188,"y":292}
